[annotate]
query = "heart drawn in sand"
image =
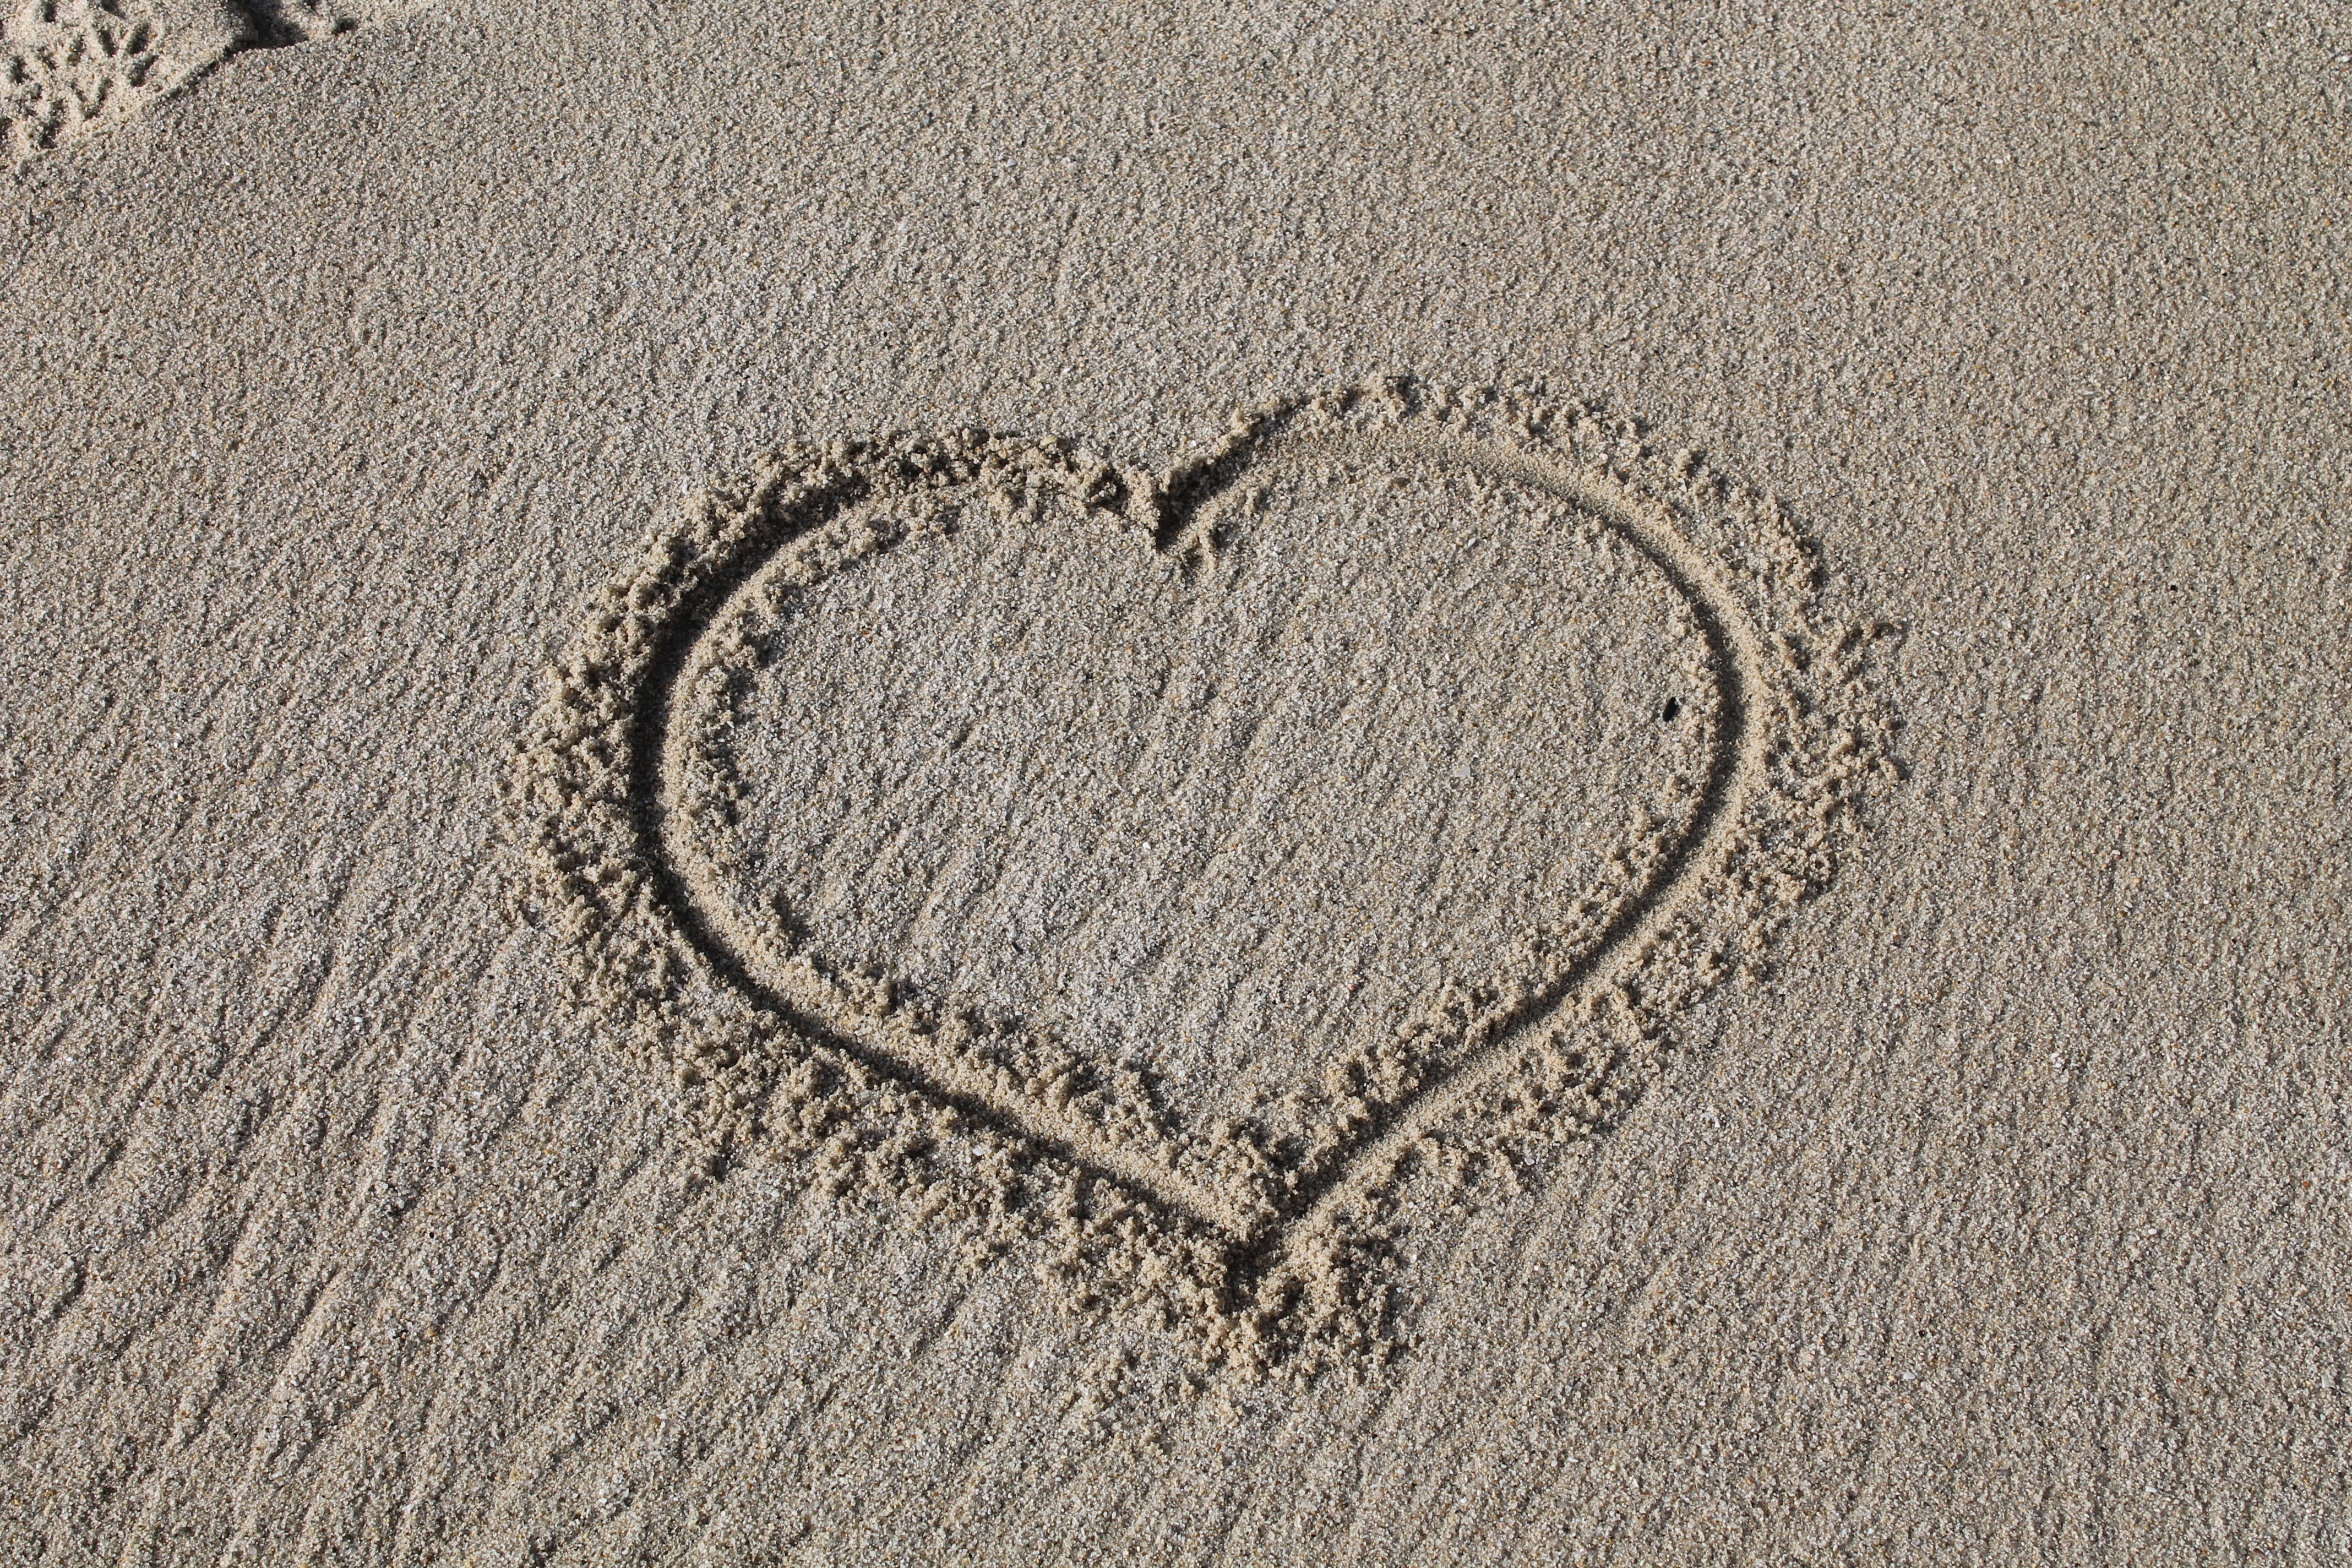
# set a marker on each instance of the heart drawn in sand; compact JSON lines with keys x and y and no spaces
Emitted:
{"x":1219,"y":838}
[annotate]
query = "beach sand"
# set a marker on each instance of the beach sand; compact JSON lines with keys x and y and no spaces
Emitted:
{"x":1579,"y":795}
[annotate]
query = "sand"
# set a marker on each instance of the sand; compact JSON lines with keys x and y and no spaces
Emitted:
{"x":1364,"y":786}
{"x":71,"y":68}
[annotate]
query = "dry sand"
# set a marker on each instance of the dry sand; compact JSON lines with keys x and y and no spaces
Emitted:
{"x":1728,"y":949}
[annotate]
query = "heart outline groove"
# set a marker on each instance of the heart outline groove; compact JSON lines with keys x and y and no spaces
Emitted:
{"x":610,"y":791}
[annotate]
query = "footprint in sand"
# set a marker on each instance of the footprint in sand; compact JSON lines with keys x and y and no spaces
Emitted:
{"x":69,"y":66}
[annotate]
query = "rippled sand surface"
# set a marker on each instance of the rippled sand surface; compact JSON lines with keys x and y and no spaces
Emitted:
{"x":1729,"y":952}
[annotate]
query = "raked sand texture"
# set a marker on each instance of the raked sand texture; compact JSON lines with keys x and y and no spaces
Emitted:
{"x":1730,"y":951}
